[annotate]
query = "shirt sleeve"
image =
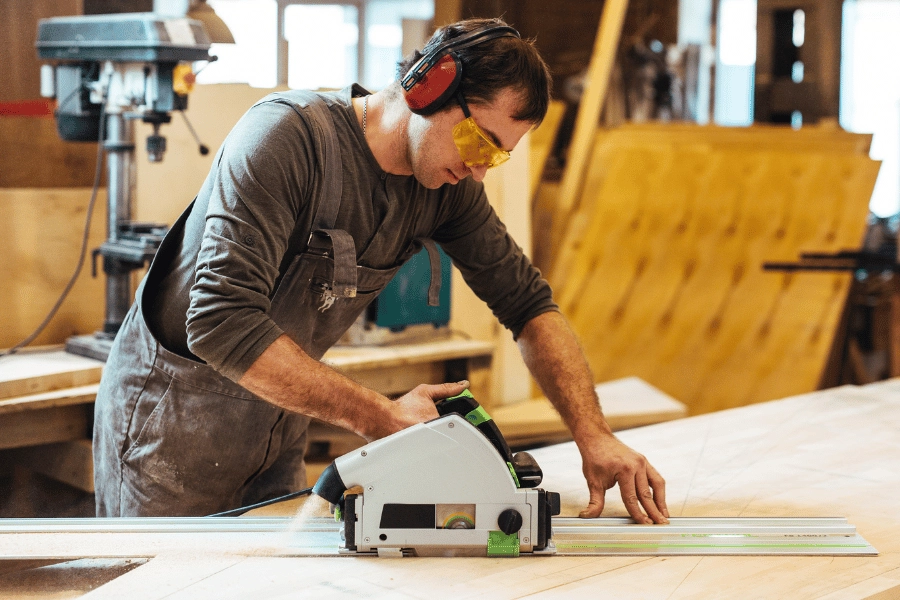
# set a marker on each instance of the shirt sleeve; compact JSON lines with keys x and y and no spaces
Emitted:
{"x":491,"y":262}
{"x":257,"y":188}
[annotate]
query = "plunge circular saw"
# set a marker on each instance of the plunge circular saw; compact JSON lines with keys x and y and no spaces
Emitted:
{"x":448,"y":486}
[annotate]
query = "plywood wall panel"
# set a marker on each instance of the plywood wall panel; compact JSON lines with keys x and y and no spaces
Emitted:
{"x":660,"y":270}
{"x":40,"y":236}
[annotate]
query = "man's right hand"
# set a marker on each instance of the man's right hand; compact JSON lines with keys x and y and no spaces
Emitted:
{"x":417,"y":406}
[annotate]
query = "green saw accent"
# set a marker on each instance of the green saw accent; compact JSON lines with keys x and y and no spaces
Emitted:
{"x":512,"y":471}
{"x":500,"y":544}
{"x":338,"y":514}
{"x":464,"y":393}
{"x":478,"y":416}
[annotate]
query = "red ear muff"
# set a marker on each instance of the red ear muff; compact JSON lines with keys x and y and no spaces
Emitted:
{"x":432,"y":86}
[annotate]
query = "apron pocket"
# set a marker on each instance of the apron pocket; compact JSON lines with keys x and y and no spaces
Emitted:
{"x":195,"y":443}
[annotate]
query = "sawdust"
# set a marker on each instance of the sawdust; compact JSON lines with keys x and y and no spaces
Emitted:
{"x":315,"y":506}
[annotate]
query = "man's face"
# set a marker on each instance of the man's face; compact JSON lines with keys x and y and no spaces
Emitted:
{"x":432,"y":153}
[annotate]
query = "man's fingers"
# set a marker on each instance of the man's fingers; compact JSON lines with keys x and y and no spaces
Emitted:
{"x":645,"y":495}
{"x":595,"y":505}
{"x":443,"y":390}
{"x":631,"y":500}
{"x":659,"y":490}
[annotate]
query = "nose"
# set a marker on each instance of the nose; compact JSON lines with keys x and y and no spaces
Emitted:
{"x":478,"y":172}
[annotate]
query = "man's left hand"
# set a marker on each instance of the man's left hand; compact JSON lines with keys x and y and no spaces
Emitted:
{"x":608,"y":461}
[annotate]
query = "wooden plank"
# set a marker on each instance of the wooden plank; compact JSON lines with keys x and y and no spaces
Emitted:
{"x":399,"y":379}
{"x":43,"y":426}
{"x":40,"y":239}
{"x":35,"y":372}
{"x":349,"y":359}
{"x":542,"y":140}
{"x":28,"y":145}
{"x":85,"y":394}
{"x":626,"y":403}
{"x":595,"y":85}
{"x":69,"y":462}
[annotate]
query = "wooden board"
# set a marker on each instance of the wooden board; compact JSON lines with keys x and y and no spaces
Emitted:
{"x":29,"y":373}
{"x":596,"y":82}
{"x":85,"y":394}
{"x":44,"y":426}
{"x":626,"y":403}
{"x":70,"y":462}
{"x":40,"y":238}
{"x":396,"y":369}
{"x":542,"y":140}
{"x":350,"y":359}
{"x":830,"y":453}
{"x":661,"y":270}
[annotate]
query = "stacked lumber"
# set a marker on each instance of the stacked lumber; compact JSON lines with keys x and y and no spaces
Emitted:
{"x":45,"y":414}
{"x":657,"y":262}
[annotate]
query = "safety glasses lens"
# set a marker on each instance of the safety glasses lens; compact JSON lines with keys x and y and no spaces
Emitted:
{"x":475,"y":147}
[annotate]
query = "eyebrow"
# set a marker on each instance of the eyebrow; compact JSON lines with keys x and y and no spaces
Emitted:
{"x":494,"y":138}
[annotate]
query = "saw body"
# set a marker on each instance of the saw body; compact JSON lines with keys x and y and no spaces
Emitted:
{"x":450,"y":485}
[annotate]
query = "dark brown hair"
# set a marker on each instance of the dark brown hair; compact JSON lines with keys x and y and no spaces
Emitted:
{"x":497,"y":64}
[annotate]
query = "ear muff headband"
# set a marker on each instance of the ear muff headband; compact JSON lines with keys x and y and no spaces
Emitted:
{"x":435,"y":77}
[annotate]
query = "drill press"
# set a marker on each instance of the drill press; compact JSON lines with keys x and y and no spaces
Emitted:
{"x":106,"y":72}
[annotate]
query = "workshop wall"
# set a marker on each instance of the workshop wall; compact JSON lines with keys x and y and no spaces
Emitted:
{"x":659,"y":266}
{"x":31,"y":153}
{"x":40,"y":237}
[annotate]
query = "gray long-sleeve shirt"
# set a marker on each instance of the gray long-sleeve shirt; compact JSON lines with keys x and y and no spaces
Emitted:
{"x":214,"y":295}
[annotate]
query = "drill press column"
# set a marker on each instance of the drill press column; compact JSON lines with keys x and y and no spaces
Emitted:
{"x":120,"y":171}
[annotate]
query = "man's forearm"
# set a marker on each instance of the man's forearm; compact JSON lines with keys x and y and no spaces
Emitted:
{"x":552,"y":353}
{"x":288,"y":377}
{"x":554,"y":357}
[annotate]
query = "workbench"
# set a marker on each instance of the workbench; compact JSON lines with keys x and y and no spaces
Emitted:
{"x":46,"y":402}
{"x":828,"y":453}
{"x":46,"y":398}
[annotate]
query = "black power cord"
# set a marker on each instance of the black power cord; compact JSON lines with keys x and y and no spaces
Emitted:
{"x":84,"y":239}
{"x":239,"y":511}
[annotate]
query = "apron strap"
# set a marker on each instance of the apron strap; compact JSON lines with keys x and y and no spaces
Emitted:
{"x":434,"y":257}
{"x":323,"y":236}
{"x":344,"y":249}
{"x":330,"y":170}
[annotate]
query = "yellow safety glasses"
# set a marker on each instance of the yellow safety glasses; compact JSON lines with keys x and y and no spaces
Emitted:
{"x":475,"y":146}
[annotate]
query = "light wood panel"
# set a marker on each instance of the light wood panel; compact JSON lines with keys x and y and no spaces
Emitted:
{"x":44,"y":371}
{"x":596,"y":82}
{"x":829,"y":453}
{"x":661,"y":269}
{"x":626,"y":403}
{"x":542,"y":140}
{"x":33,"y":156}
{"x":40,"y":237}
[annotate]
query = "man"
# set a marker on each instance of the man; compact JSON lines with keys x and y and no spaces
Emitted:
{"x":312,"y":204}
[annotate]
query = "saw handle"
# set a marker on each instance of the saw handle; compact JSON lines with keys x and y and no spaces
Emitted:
{"x":526,"y":468}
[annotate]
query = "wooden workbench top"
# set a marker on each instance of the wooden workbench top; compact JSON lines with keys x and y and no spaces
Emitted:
{"x":347,"y":358}
{"x":831,"y":453}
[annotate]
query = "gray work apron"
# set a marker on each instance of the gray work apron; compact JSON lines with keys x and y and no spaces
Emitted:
{"x":173,"y":437}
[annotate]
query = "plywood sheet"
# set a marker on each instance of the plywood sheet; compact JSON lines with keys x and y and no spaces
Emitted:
{"x":660,"y":272}
{"x":626,"y":403}
{"x":822,"y":454}
{"x":40,"y":238}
